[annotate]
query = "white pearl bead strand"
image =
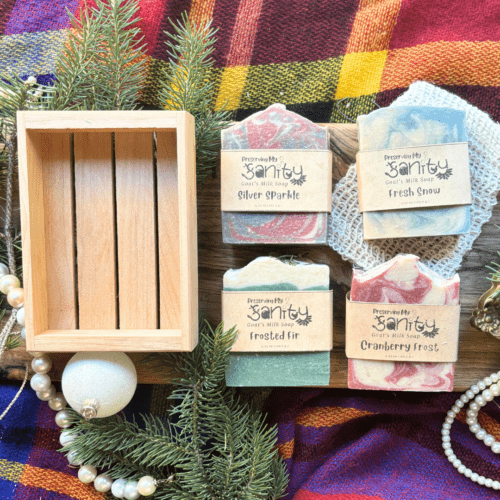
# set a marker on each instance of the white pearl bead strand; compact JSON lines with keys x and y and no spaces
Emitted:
{"x":479,"y":395}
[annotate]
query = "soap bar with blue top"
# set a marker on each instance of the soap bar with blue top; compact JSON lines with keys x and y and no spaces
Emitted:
{"x":402,"y":127}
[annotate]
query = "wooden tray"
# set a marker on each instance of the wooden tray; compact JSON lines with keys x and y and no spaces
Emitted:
{"x":479,"y":353}
{"x":126,"y":182}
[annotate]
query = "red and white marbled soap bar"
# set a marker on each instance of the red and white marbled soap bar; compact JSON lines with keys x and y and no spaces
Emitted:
{"x":402,"y":280}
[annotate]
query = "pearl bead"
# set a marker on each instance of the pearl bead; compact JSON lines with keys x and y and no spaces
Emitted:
{"x":15,"y":297}
{"x":445,"y":432}
{"x":488,"y":395}
{"x":459,"y":403}
{"x":474,"y":428}
{"x":455,"y":409}
{"x":40,"y":382}
{"x":3,"y":270}
{"x":58,"y":402}
{"x":23,"y":333}
{"x":494,"y":378}
{"x":487,"y":381}
{"x":474,"y":407}
{"x":470,"y":394}
{"x":146,"y":486}
{"x":41,"y":364}
{"x":495,"y":389}
{"x":471,"y":413}
{"x":471,"y":420}
{"x":468,"y":472}
{"x":461,"y":469}
{"x":446,"y":439}
{"x":448,"y":420}
{"x":475,"y":389}
{"x":8,"y":282}
{"x":448,"y":452}
{"x":474,"y":477}
{"x":481,"y":434}
{"x":71,"y":456}
{"x":464,"y":398}
{"x":481,"y":385}
{"x":496,"y":485}
{"x":451,"y":415}
{"x":117,"y":489}
{"x":67,"y":437}
{"x":21,"y":316}
{"x":447,"y":426}
{"x":457,"y":463}
{"x":103,"y":483}
{"x":495,"y":448}
{"x":87,"y":473}
{"x":489,"y":440}
{"x":480,"y":400}
{"x":446,"y":446}
{"x":130,"y":491}
{"x":488,"y":482}
{"x":46,"y":395}
{"x":452,"y":458}
{"x":481,"y":480}
{"x":63,"y":419}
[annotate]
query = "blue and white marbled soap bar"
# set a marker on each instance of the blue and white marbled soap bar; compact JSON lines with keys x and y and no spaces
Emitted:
{"x":397,"y":127}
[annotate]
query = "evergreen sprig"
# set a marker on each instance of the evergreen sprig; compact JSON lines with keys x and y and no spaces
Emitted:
{"x":187,"y":86}
{"x":211,"y":446}
{"x":104,"y":63}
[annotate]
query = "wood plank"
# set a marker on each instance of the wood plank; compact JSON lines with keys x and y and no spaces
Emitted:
{"x":95,"y":223}
{"x":168,"y":232}
{"x":33,"y":235}
{"x":136,"y":230}
{"x":100,"y":121}
{"x":478,"y":352}
{"x":59,"y":231}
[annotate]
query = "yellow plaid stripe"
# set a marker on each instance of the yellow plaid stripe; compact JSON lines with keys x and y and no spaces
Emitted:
{"x":11,"y":471}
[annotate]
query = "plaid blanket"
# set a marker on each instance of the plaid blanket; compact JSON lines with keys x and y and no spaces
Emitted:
{"x":328,"y":60}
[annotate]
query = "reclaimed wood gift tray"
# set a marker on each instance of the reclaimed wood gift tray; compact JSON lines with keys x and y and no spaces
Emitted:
{"x":479,"y":353}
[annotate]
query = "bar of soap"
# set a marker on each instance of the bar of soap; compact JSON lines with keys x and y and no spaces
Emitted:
{"x":269,"y":369}
{"x":275,"y":128}
{"x":402,"y":280}
{"x":396,"y":127}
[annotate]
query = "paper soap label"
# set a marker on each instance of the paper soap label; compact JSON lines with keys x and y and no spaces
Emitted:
{"x":280,"y":321}
{"x":402,"y":332}
{"x":414,"y":177}
{"x":276,"y":180}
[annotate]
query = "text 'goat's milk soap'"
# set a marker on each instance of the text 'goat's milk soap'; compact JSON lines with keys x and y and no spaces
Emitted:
{"x":275,"y":179}
{"x":413,"y":172}
{"x":268,"y":274}
{"x":404,"y":280}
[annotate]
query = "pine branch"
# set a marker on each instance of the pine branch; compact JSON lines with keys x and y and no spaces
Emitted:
{"x":187,"y":86}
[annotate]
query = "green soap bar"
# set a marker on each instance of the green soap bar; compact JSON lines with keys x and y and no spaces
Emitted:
{"x":269,"y":369}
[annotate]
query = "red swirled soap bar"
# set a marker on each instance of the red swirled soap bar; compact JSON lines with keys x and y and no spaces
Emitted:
{"x":402,"y":280}
{"x":275,"y":128}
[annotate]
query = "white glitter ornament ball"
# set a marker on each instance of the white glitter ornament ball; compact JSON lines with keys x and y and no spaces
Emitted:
{"x":108,"y":378}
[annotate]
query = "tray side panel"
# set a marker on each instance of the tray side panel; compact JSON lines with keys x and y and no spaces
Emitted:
{"x":33,"y":237}
{"x":95,"y":227}
{"x":188,"y":229}
{"x":136,"y":230}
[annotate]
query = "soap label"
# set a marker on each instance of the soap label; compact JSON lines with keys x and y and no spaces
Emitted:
{"x":414,"y":177}
{"x":280,"y":321}
{"x":402,"y":332}
{"x":276,"y":180}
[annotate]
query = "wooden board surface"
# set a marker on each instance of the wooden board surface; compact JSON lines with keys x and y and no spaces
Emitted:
{"x":479,"y":353}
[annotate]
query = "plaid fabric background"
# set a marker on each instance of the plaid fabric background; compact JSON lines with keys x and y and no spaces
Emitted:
{"x":325,"y":59}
